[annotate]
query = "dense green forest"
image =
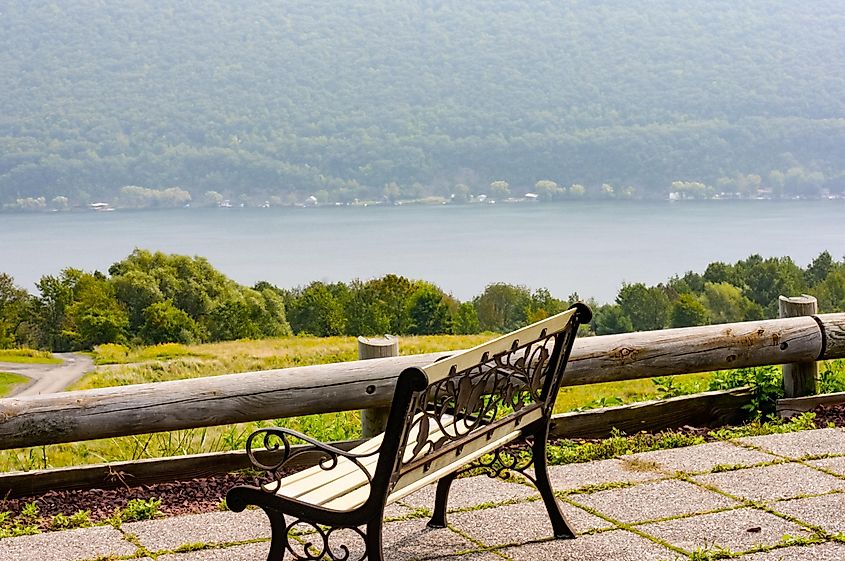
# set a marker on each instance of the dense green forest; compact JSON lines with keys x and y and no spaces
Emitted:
{"x":164,"y":102}
{"x":150,"y":298}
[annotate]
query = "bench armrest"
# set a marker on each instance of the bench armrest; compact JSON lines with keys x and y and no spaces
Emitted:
{"x":278,"y":439}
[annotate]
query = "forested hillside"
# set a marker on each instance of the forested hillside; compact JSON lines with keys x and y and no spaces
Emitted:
{"x":269,"y":100}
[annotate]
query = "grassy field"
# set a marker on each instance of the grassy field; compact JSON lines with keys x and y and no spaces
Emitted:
{"x":28,"y":356}
{"x":122,"y":366}
{"x":8,"y":381}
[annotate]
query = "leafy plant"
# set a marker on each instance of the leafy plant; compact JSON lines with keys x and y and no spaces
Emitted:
{"x":758,"y":427}
{"x":618,"y":444}
{"x":832,"y":377}
{"x":140,"y":509}
{"x":79,"y":519}
{"x":765,"y":381}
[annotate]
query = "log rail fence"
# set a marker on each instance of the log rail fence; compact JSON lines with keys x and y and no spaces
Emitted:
{"x":368,"y":384}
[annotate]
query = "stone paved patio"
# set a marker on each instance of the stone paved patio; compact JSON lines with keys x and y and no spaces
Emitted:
{"x":769,"y":498}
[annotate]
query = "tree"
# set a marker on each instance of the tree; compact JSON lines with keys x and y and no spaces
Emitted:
{"x":429,"y":311}
{"x":610,"y":319}
{"x":51,"y":306}
{"x":543,"y":305}
{"x":502,"y":307}
{"x":647,"y":308}
{"x":500,"y":190}
{"x":316,"y":311}
{"x":724,"y":302}
{"x":165,"y":323}
{"x":548,"y":190}
{"x":819,"y":269}
{"x":95,"y":317}
{"x":688,"y":311}
{"x":137,"y":290}
{"x":15,"y":308}
{"x":465,"y":320}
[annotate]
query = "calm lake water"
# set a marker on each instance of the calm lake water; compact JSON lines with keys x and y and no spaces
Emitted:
{"x":588,"y":247}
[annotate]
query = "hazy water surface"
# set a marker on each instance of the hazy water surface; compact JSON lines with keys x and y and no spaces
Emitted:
{"x":588,"y":247}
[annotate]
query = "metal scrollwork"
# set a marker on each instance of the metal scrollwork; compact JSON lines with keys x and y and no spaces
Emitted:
{"x":317,"y":542}
{"x":278,"y":447}
{"x":502,"y":462}
{"x":449,"y":409}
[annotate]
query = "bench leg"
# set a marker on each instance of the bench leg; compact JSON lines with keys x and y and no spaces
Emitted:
{"x":438,"y":519}
{"x":279,"y":535}
{"x":560,"y":525}
{"x":374,"y":551}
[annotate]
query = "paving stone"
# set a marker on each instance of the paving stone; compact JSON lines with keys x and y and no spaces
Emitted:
{"x":396,"y":510}
{"x":573,"y":476}
{"x":617,"y":545}
{"x":412,"y":539}
{"x":770,"y":483}
{"x":703,"y":457}
{"x":68,"y":545}
{"x":802,"y":443}
{"x":822,"y":552}
{"x":728,"y":530}
{"x":472,"y":491}
{"x":215,"y":527}
{"x":827,"y":511}
{"x":484,"y":556}
{"x":248,"y":552}
{"x":495,"y":526}
{"x":649,"y":501}
{"x":836,"y":465}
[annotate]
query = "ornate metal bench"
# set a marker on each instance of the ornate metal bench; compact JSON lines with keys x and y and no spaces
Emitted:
{"x":453,"y":415}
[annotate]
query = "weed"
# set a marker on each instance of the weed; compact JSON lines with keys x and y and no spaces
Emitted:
{"x":766,"y":381}
{"x":79,"y":519}
{"x":616,"y":445}
{"x":832,"y":376}
{"x":140,"y":509}
{"x":805,"y":421}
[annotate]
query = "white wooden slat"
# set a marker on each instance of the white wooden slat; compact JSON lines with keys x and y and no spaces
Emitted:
{"x":303,"y":481}
{"x":317,"y":486}
{"x":439,"y":370}
{"x":468,"y":452}
{"x":437,"y":474}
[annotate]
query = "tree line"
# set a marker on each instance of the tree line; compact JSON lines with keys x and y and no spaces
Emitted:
{"x":161,"y":102}
{"x":153,"y":297}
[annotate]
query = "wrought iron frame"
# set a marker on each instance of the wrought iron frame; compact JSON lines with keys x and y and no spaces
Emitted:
{"x":501,"y":382}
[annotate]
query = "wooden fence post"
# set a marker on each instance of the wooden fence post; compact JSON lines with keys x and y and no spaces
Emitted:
{"x":374,"y":420}
{"x":799,"y":378}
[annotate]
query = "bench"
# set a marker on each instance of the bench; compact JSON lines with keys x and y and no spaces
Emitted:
{"x":446,"y":418}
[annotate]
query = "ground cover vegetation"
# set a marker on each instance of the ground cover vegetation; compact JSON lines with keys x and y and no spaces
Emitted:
{"x":155,"y":299}
{"x":164,"y":103}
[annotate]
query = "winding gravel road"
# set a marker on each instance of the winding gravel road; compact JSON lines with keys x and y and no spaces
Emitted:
{"x":49,"y":378}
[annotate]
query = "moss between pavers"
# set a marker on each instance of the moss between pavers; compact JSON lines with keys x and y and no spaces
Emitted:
{"x":736,"y":530}
{"x":772,"y":482}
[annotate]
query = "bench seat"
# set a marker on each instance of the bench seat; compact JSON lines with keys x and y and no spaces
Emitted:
{"x":346,"y":486}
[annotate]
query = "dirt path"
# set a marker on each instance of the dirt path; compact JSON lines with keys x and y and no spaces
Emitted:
{"x":49,"y":378}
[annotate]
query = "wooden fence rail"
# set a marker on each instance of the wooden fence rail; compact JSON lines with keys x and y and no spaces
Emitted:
{"x":271,"y":394}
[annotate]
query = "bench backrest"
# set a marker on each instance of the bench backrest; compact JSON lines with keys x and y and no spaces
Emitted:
{"x":482,"y":395}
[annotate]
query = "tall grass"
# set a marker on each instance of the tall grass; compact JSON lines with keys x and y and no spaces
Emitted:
{"x":162,"y":363}
{"x":28,"y":356}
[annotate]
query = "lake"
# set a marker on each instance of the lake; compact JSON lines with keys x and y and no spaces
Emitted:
{"x":588,"y":247}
